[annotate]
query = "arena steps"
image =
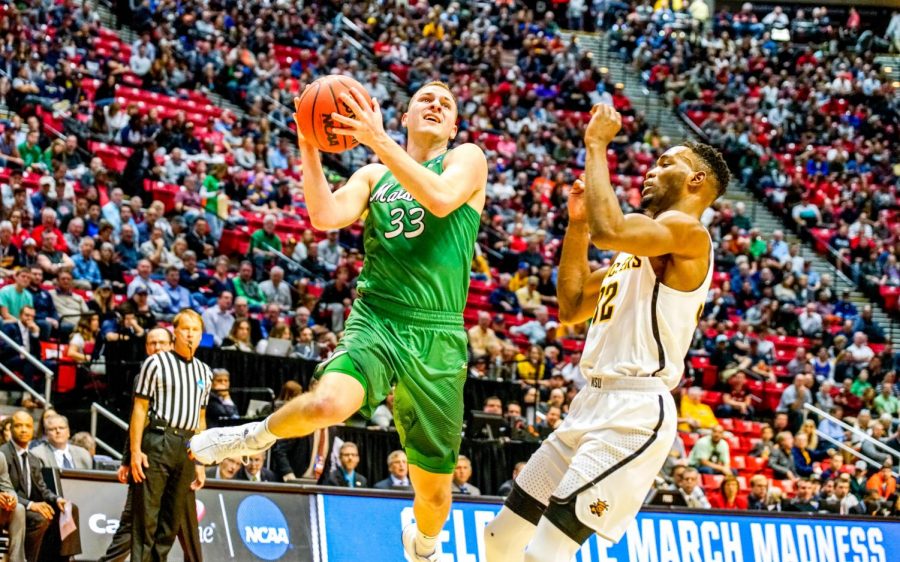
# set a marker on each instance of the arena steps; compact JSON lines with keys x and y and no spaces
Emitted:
{"x":659,"y":114}
{"x":892,"y":62}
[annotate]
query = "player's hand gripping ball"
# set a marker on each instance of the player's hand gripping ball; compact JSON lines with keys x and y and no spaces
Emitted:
{"x":315,"y":122}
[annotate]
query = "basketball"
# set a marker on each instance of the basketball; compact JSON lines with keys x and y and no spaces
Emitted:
{"x":317,"y":104}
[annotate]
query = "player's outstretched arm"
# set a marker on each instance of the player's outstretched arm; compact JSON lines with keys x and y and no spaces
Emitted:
{"x":327,"y":209}
{"x":465,"y":167}
{"x":577,"y":288}
{"x":611,"y":229}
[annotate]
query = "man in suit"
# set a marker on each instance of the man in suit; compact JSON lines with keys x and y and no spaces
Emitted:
{"x":344,"y":475}
{"x":26,"y":333}
{"x":399,"y":473}
{"x":221,"y":407}
{"x":57,"y":452}
{"x":12,"y":515}
{"x":226,"y":470}
{"x":254,"y":471}
{"x":25,"y":475}
{"x":461,"y":475}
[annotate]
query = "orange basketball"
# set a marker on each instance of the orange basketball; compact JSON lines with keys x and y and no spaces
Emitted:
{"x":317,"y":103}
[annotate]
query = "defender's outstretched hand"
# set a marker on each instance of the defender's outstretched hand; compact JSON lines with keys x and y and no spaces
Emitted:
{"x":604,"y":125}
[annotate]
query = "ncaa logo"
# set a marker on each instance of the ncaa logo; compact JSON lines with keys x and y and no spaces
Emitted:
{"x":263,"y":527}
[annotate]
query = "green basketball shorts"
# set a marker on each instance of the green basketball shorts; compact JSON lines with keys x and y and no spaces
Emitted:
{"x":424,"y":355}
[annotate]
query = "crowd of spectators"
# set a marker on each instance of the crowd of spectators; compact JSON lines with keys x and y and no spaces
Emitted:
{"x":90,"y":261}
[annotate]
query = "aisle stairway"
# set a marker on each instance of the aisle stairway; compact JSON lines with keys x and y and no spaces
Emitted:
{"x":670,"y":125}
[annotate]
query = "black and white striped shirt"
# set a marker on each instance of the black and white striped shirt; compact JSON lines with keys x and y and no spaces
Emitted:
{"x":177,"y":389}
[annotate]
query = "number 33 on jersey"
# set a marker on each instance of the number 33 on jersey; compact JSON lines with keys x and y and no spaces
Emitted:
{"x":412,"y":255}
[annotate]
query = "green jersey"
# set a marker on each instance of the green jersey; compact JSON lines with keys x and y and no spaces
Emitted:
{"x":413,"y":258}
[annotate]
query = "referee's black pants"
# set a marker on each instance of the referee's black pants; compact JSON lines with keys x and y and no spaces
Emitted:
{"x":158,"y":503}
{"x":120,"y":547}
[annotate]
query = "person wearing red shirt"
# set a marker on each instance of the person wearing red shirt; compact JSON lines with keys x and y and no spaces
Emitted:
{"x":48,"y":222}
{"x":728,"y":497}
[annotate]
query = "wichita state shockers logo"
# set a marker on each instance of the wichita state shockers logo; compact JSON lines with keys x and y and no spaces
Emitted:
{"x":599,"y":507}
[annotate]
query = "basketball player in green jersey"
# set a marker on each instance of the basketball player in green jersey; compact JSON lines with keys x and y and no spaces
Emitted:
{"x":422,"y":207}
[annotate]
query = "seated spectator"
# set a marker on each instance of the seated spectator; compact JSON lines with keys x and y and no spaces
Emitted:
{"x":781,"y":461}
{"x":254,"y":471}
{"x":764,"y":447}
{"x":336,"y":299}
{"x":157,"y":298}
{"x":306,"y":347}
{"x":398,"y":468}
{"x":56,"y":452}
{"x":276,"y":290}
{"x":887,"y":402}
{"x":737,"y":402}
{"x":873,"y":451}
{"x":506,"y":487}
{"x":532,"y":370}
{"x":218,"y":320}
{"x":804,"y":501}
{"x":842,"y":501}
{"x":711,"y":454}
{"x":802,"y":456}
{"x":239,"y":338}
{"x":759,"y":486}
{"x":883,"y":481}
{"x":552,"y":420}
{"x":16,"y":295}
{"x":221,"y":407}
{"x":728,"y":497}
{"x":691,"y":490}
{"x":481,"y":335}
{"x":226,"y":470}
{"x":33,"y":492}
{"x":792,"y":400}
{"x":528,"y":296}
{"x":694,"y":415}
{"x":26,"y":333}
{"x":383,"y":416}
{"x":83,"y":343}
{"x":344,"y":475}
{"x":535,"y":330}
{"x":280,"y":331}
{"x":502,"y":298}
{"x":461,"y":475}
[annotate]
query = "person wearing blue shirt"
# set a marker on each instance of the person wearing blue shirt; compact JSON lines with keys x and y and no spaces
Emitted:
{"x":179,"y":296}
{"x":46,"y":316}
{"x":86,"y":272}
{"x":344,"y":475}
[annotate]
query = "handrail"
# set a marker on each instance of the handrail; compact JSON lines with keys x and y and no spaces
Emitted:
{"x":48,"y":374}
{"x":23,"y":384}
{"x":850,"y":450}
{"x":98,"y":409}
{"x":851,"y":429}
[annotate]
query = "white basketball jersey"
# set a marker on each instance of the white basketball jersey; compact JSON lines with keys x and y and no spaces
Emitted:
{"x":641,"y":327}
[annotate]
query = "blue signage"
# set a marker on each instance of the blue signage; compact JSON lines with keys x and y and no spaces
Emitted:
{"x":263,"y":528}
{"x":653,"y":537}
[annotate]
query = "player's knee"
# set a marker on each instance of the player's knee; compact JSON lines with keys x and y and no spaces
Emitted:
{"x":435,"y":497}
{"x":325,"y":410}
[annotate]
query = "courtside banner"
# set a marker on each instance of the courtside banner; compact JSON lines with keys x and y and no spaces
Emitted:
{"x":350,"y":525}
{"x":233,"y":524}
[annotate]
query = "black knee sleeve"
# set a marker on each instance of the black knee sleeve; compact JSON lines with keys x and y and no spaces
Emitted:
{"x":525,"y":506}
{"x":563,"y":516}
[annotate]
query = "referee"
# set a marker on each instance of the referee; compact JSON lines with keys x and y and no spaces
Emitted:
{"x":169,"y":406}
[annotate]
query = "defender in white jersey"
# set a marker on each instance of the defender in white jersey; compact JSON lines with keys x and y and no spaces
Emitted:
{"x":593,"y":473}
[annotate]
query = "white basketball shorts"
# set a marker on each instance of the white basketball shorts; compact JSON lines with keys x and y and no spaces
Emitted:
{"x":606,"y":454}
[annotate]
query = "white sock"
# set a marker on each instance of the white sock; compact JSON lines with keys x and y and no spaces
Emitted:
{"x":425,"y":545}
{"x":261,"y":436}
{"x":550,"y":544}
{"x":506,"y":537}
